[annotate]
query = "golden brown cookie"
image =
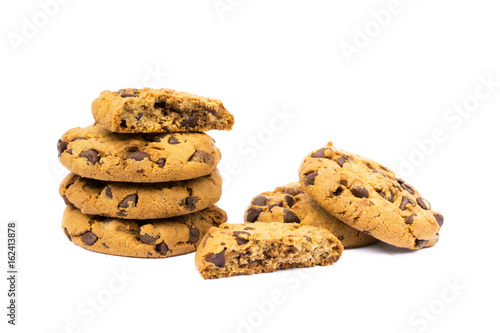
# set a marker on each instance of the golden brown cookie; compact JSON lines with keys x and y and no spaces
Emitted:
{"x":141,"y":201}
{"x":96,"y":153}
{"x":290,"y":204}
{"x":367,"y":196}
{"x":159,"y":110}
{"x":250,"y":248}
{"x":140,"y":238}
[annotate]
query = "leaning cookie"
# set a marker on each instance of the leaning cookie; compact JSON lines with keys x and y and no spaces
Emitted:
{"x":140,"y":238}
{"x":96,"y":153}
{"x":141,"y":201}
{"x":367,"y":196}
{"x":159,"y":110}
{"x":290,"y":204}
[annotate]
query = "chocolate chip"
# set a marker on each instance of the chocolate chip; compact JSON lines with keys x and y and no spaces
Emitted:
{"x":160,"y":105}
{"x":218,"y":259}
{"x":253,"y":214}
{"x":423,"y":203}
{"x":123,"y":123}
{"x":154,"y":137}
{"x":293,"y":191}
{"x":194,"y":235}
{"x":338,"y":191}
{"x":108,"y":192}
{"x":409,"y":219}
{"x":66,"y":200}
{"x":421,"y":242}
{"x":132,"y":149}
{"x":162,"y":248}
{"x":319,"y":153}
{"x":290,"y":217}
{"x":341,"y":160}
{"x":389,"y":197}
{"x":190,"y":121}
{"x":139,"y":156}
{"x":78,"y":138}
{"x":91,"y":155}
{"x":309,"y":178}
{"x":161,"y":162}
{"x":240,"y":240}
{"x":93,"y":184}
{"x":260,"y":201}
{"x":173,"y":141}
{"x":404,"y":201}
{"x":190,"y":203}
{"x":70,"y":151}
{"x":408,"y":188}
{"x":123,"y":93}
{"x":61,"y":146}
{"x":67,"y":234}
{"x":89,"y":238}
{"x":276,"y":204}
{"x":139,"y":116}
{"x":145,"y":238}
{"x":129,"y":201}
{"x":248,"y":228}
{"x":360,"y":192}
{"x":289,"y":201}
{"x":201,"y":157}
{"x":439,"y":219}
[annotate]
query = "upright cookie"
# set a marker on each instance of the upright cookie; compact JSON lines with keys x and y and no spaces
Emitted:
{"x":367,"y":196}
{"x":289,"y":204}
{"x":236,"y":249}
{"x":96,"y":153}
{"x":141,"y":201}
{"x":159,"y":110}
{"x":140,"y":238}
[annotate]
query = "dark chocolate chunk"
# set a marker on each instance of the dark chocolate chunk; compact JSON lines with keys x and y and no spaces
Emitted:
{"x":293,"y":191}
{"x":309,"y":178}
{"x":123,"y":93}
{"x":173,"y":141}
{"x":409,"y":219}
{"x":139,"y":156}
{"x":194,"y":235}
{"x":161,"y":162}
{"x":253,"y":214}
{"x":248,"y":228}
{"x":201,"y":157}
{"x":389,"y":196}
{"x":66,"y":200}
{"x":67,"y":233}
{"x":89,"y":238}
{"x":408,"y":188}
{"x":341,"y":160}
{"x":423,"y":203}
{"x":78,"y":138}
{"x":162,"y":248}
{"x":190,"y":203}
{"x":190,"y":121}
{"x":439,"y":219}
{"x":260,"y":201}
{"x":61,"y":146}
{"x":404,"y":201}
{"x":91,"y":155}
{"x":276,"y":204}
{"x":319,"y":153}
{"x":145,"y":238}
{"x":338,"y":191}
{"x":289,"y":201}
{"x":290,"y":217}
{"x":360,"y":192}
{"x":240,"y":240}
{"x":421,"y":242}
{"x":129,"y":201}
{"x":154,"y":137}
{"x":108,"y":192}
{"x":94,"y":183}
{"x":218,"y":259}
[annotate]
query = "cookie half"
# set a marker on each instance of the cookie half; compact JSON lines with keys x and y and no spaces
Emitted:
{"x":250,"y":248}
{"x":97,"y":153}
{"x":290,"y":204}
{"x":141,"y":201}
{"x":367,"y":196}
{"x":159,"y":110}
{"x":140,"y":238}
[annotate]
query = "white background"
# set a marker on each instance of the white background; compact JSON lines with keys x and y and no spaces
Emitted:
{"x":262,"y":58}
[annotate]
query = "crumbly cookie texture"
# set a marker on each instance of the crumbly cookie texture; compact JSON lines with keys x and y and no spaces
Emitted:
{"x":141,"y":201}
{"x":140,"y":238}
{"x":97,"y":153}
{"x":159,"y":110}
{"x":368,"y":196}
{"x":250,"y":248}
{"x":290,"y":204}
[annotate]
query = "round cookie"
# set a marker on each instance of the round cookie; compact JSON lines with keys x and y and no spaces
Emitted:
{"x":96,"y":153}
{"x":140,"y":238}
{"x":367,"y":196}
{"x":141,"y":201}
{"x":159,"y":110}
{"x":291,"y":204}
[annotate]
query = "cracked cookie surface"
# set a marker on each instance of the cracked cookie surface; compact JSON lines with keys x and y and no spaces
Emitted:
{"x":290,"y":204}
{"x":250,"y":248}
{"x":140,"y":238}
{"x":141,"y":201}
{"x":96,"y":153}
{"x":159,"y":110}
{"x":368,"y":196}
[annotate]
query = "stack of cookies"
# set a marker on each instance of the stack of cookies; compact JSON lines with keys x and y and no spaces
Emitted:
{"x":144,"y":179}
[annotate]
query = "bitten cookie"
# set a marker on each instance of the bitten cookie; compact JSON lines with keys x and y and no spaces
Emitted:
{"x":367,"y":196}
{"x":236,"y":249}
{"x":140,"y":238}
{"x":290,"y":204}
{"x":141,"y":201}
{"x":96,"y":153}
{"x":159,"y":110}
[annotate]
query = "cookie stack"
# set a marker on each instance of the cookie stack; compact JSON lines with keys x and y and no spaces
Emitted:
{"x":144,"y":176}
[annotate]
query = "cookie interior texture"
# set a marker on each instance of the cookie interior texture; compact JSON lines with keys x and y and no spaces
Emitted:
{"x":242,"y":249}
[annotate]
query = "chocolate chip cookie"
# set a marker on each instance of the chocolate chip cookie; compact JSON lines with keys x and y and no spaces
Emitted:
{"x":250,"y":248}
{"x":159,"y":110}
{"x":96,"y":153}
{"x":367,"y":196}
{"x":141,"y":201}
{"x":290,"y":204}
{"x":140,"y":238}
